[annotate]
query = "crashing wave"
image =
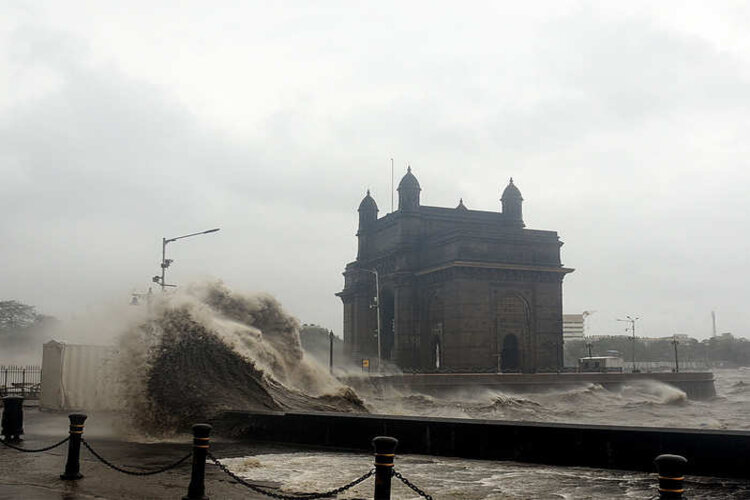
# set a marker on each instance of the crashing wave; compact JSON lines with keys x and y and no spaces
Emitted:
{"x":207,"y":349}
{"x":653,"y":393}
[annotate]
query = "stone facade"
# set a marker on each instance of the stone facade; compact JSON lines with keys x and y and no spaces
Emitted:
{"x":459,"y":289}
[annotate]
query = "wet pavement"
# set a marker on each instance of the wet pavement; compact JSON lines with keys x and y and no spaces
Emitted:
{"x":31,"y":476}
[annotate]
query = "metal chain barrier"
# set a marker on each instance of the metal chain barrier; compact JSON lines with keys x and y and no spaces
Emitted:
{"x":39,"y":450}
{"x":411,"y":485}
{"x":302,"y":496}
{"x":131,"y":472}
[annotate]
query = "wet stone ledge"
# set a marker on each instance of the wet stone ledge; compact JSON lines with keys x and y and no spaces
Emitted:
{"x":718,"y":453}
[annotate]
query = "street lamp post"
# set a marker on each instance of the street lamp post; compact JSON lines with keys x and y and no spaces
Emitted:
{"x":584,"y":315}
{"x":632,"y":329}
{"x":165,"y":262}
{"x":377,"y":311}
{"x":676,"y":360}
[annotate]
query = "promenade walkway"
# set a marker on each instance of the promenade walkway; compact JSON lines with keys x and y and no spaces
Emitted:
{"x":32,"y":476}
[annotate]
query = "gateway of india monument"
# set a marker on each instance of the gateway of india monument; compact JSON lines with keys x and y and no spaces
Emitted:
{"x":456,"y":290}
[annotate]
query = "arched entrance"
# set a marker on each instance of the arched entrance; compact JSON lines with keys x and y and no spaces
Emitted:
{"x":509,"y":356}
{"x":512,"y":330}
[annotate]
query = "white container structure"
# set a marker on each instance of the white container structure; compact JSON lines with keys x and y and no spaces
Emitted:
{"x":600,"y":364}
{"x":77,"y":377}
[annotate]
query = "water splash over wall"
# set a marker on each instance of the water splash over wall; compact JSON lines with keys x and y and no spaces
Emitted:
{"x":207,"y":349}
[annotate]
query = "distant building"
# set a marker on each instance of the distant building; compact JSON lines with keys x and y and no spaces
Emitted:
{"x":681,"y":337}
{"x":573,"y":327}
{"x":459,"y":289}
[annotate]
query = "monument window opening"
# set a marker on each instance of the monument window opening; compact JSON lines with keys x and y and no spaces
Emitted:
{"x":414,"y":347}
{"x":437,"y":353}
{"x":435,"y":312}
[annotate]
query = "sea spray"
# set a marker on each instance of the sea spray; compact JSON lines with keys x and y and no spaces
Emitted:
{"x":654,"y":392}
{"x":206,"y":349}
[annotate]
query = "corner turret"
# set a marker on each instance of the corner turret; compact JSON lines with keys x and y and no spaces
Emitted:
{"x":368,"y":211}
{"x":408,"y":192}
{"x":512,"y":204}
{"x":368,"y":216}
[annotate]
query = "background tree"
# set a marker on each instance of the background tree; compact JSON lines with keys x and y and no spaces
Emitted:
{"x":22,"y":331}
{"x":16,"y":315}
{"x":723,"y":350}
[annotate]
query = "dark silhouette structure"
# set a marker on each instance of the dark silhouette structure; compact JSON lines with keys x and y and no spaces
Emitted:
{"x":460,"y":290}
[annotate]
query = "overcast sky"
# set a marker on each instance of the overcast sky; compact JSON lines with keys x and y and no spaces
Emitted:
{"x":625,"y":127}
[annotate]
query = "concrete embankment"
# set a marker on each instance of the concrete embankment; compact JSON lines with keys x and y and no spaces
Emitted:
{"x":697,"y":385}
{"x":709,"y":452}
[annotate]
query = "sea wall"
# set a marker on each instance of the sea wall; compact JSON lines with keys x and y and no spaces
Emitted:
{"x":697,"y":385}
{"x":709,"y":452}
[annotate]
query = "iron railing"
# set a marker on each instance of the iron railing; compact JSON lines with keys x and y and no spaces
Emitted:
{"x":16,"y":380}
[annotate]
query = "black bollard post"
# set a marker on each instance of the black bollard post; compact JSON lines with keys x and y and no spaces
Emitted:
{"x":12,"y":421}
{"x":73,"y":465}
{"x":671,"y":469}
{"x":385,"y":454}
{"x":197,"y":486}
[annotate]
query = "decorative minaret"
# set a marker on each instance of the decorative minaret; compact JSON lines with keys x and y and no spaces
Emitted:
{"x":368,"y":215}
{"x":408,"y":192}
{"x":512,"y":204}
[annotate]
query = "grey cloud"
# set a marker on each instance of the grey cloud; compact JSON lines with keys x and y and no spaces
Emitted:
{"x":610,"y":127}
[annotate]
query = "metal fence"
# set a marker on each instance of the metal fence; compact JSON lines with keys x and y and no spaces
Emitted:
{"x":20,"y":381}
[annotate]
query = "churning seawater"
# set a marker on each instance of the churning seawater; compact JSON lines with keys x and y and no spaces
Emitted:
{"x":460,"y":479}
{"x":643,"y":404}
